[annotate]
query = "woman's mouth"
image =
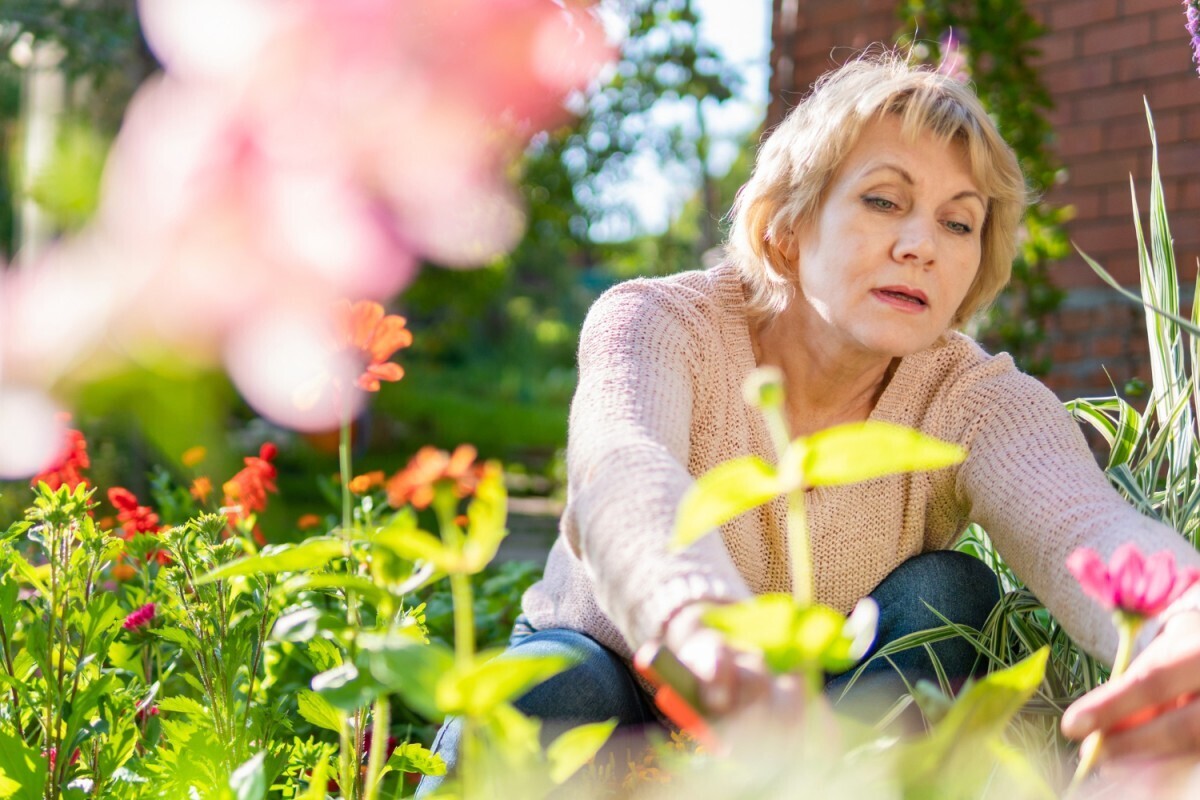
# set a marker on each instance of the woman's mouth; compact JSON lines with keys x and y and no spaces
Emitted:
{"x":902,"y":298}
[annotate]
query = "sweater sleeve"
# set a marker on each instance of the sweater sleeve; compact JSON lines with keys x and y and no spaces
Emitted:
{"x":1032,"y":483}
{"x":627,"y":456}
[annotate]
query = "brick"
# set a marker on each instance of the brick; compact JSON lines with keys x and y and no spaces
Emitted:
{"x":1111,"y":37}
{"x":1087,"y":203}
{"x":832,"y":12}
{"x":1117,"y":203}
{"x":1180,"y":92}
{"x":1127,"y":132}
{"x":1075,"y":321}
{"x":1057,"y":47}
{"x":1154,"y":62}
{"x":1169,"y":24}
{"x":1104,"y":169}
{"x":1075,"y":140}
{"x":1103,"y":105}
{"x":1077,"y":74}
{"x":1109,"y":346}
{"x":1078,"y":13}
{"x":1062,"y":351}
{"x":1105,"y":235}
{"x":1179,"y":159}
{"x":1189,"y":196}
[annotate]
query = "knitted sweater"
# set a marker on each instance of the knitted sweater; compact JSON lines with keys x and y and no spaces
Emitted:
{"x":659,"y":402}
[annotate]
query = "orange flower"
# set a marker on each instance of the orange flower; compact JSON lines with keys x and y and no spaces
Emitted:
{"x":124,"y":571}
{"x":362,"y":484}
{"x":201,"y":489}
{"x":193,"y":456}
{"x":364,"y":328}
{"x":249,"y":487}
{"x":415,"y":483}
{"x":308,"y":521}
{"x":65,"y":470}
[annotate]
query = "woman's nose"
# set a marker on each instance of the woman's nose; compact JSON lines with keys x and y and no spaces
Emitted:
{"x":914,"y":242}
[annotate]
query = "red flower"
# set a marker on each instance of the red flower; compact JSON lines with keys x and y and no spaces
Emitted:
{"x":139,"y":618}
{"x":248,"y":489}
{"x":65,"y":471}
{"x":134,"y":518}
{"x":1130,"y":582}
{"x":364,"y":328}
{"x":415,"y":483}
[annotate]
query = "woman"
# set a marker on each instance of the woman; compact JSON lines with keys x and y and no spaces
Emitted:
{"x":882,"y":214}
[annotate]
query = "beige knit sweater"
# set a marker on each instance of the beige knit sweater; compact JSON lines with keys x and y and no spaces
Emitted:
{"x":659,"y":402}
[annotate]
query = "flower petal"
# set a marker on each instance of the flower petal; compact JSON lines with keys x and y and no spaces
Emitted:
{"x":1089,"y":569}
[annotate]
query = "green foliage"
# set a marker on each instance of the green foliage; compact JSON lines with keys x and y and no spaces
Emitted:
{"x":1153,"y":454}
{"x":999,"y":40}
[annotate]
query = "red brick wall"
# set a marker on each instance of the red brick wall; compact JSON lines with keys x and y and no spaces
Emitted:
{"x":1099,"y":58}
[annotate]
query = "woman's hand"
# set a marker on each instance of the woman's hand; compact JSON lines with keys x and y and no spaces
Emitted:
{"x":1153,"y":709}
{"x":730,"y":681}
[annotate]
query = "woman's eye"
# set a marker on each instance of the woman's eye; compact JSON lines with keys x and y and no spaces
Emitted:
{"x":959,"y":227}
{"x":880,"y":203}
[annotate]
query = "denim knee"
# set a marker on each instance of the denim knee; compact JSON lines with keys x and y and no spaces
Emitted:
{"x":600,"y":686}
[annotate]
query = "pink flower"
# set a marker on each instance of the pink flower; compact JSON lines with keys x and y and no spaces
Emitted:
{"x":139,"y":618}
{"x":1130,"y":582}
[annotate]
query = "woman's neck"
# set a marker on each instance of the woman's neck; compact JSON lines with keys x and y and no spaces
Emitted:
{"x":826,"y":382}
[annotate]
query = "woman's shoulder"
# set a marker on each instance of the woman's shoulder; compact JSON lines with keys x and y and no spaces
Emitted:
{"x":694,"y":299}
{"x":965,"y":381}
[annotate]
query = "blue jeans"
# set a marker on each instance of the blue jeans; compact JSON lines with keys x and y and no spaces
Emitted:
{"x":601,"y":686}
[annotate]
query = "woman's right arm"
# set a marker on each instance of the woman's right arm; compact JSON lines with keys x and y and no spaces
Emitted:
{"x":630,"y":432}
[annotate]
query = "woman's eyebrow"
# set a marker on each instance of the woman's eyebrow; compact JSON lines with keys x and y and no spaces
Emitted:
{"x":907,"y":177}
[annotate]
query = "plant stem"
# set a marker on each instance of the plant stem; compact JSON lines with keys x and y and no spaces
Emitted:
{"x":347,"y":517}
{"x":1128,"y":626}
{"x":8,"y":666}
{"x":798,"y":548}
{"x":381,"y":722}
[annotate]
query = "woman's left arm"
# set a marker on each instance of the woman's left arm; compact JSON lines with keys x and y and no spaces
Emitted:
{"x":1032,"y":483}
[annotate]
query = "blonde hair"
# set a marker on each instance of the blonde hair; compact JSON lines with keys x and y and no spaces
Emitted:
{"x":801,"y":156}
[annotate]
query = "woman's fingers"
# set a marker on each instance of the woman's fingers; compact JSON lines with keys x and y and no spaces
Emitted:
{"x":1169,"y":669}
{"x":1172,"y":731}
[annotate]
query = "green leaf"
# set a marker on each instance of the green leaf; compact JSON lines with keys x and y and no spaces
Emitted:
{"x":788,"y":637}
{"x":413,"y":544}
{"x":576,"y":747}
{"x":182,"y":705}
{"x":34,"y":576}
{"x":480,"y":688}
{"x":249,"y":781}
{"x":8,"y":787}
{"x":404,"y":665}
{"x":346,"y":687}
{"x":310,"y":554}
{"x":860,"y":451}
{"x":485,"y":522}
{"x":318,"y":711}
{"x":412,"y":757}
{"x":24,"y":766}
{"x":365,"y":589}
{"x":977,"y":717}
{"x":722,"y":493}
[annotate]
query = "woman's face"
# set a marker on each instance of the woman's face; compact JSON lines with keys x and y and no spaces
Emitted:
{"x":887,"y":261}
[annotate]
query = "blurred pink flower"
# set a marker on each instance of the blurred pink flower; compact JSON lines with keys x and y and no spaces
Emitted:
{"x":139,"y":618}
{"x":293,"y":151}
{"x":1130,"y":582}
{"x":954,"y":62}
